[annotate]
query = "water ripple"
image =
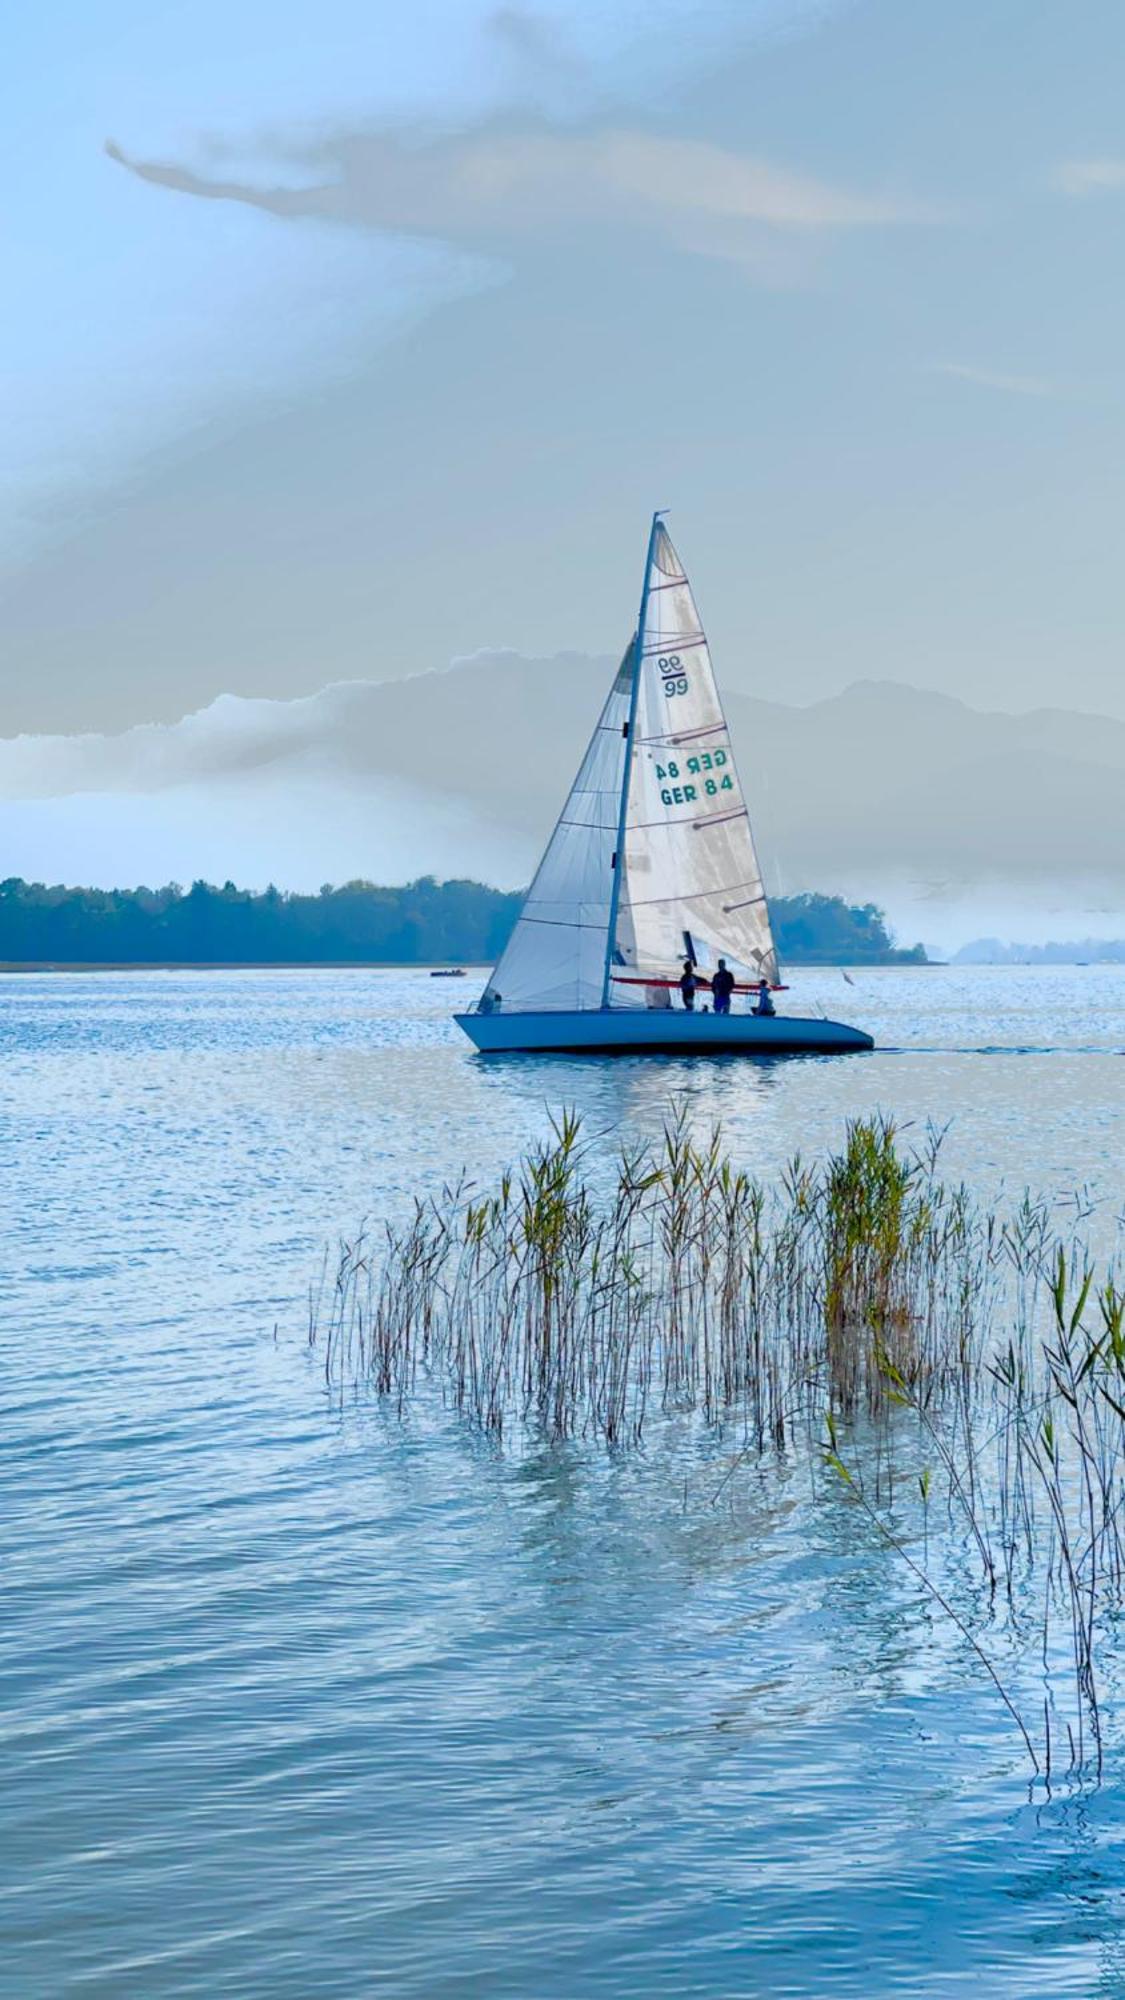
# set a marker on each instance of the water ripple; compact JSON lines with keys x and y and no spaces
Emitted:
{"x":302,"y":1700}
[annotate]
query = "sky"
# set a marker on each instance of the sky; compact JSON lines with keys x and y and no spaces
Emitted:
{"x":345,"y":340}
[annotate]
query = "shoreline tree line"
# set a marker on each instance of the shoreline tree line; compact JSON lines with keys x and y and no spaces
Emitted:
{"x":358,"y":923}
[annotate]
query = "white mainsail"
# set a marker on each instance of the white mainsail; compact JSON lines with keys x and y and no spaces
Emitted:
{"x":555,"y":957}
{"x":658,"y":782}
{"x":691,"y":884}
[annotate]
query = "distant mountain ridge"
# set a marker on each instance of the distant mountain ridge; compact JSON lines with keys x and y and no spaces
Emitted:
{"x":883,"y":783}
{"x":1086,"y":951}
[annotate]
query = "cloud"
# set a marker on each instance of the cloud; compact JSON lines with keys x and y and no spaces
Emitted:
{"x":497,"y":187}
{"x":299,"y":792}
{"x":368,"y":778}
{"x":1083,"y":177}
{"x":535,"y":43}
{"x":298,"y":829}
{"x":992,"y":378}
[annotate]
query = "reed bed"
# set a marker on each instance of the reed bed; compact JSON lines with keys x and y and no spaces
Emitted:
{"x":689,"y":1287}
{"x":942,"y":1362}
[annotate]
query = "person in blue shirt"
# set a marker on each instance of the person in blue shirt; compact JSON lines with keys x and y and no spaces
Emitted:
{"x":688,"y":984}
{"x":765,"y":999}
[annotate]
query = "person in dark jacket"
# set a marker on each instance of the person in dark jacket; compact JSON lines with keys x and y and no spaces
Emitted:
{"x":722,"y":986}
{"x":688,"y":984}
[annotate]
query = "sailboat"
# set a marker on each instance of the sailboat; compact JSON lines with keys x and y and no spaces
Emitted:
{"x":651,"y":868}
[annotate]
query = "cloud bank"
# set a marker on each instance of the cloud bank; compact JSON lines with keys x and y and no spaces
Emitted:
{"x":961,"y":823}
{"x":498,"y":187}
{"x":994,"y":378}
{"x":1082,"y":177}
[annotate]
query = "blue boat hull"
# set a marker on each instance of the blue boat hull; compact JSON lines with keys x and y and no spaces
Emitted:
{"x":623,"y":1031}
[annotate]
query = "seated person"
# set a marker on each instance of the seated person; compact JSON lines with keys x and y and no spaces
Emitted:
{"x":722,"y":986}
{"x":765,"y":999}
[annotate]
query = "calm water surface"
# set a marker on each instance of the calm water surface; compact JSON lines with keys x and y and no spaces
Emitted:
{"x":304,"y":1701}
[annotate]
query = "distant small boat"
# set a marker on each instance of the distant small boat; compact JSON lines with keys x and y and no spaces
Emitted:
{"x":652,"y":863}
{"x":448,"y":972}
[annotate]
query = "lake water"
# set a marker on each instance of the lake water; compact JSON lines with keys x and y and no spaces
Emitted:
{"x":300,"y":1700}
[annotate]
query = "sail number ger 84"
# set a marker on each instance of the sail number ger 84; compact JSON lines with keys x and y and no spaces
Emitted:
{"x":675,"y":794}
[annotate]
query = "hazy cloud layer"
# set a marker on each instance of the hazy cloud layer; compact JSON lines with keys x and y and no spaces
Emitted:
{"x":495,"y":187}
{"x":995,"y":378}
{"x":884,"y":792}
{"x":298,"y":829}
{"x":348,"y":500}
{"x":1090,"y":176}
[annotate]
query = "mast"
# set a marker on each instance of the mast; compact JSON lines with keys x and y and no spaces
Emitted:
{"x":627,"y":765}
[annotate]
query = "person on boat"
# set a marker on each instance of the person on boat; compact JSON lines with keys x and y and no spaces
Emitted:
{"x":688,"y":984}
{"x":765,"y":998}
{"x":722,"y":986}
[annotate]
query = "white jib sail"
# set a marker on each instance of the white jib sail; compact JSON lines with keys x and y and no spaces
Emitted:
{"x":555,"y":957}
{"x":691,"y":883}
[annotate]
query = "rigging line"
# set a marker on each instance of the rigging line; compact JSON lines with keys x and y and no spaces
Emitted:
{"x":627,"y":765}
{"x":695,"y":825}
{"x":584,"y":826}
{"x":687,"y":735}
{"x":724,"y":889}
{"x":716,"y":819}
{"x":559,"y":923}
{"x":674,"y":644}
{"x":646,"y":825}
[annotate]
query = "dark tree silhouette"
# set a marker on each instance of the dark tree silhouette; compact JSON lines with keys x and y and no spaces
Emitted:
{"x":360,"y":923}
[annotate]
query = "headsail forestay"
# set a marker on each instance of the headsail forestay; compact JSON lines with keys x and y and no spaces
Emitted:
{"x":687,"y":877}
{"x":555,"y":957}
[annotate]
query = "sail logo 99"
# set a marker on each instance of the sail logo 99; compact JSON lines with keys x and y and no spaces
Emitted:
{"x":671,"y":671}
